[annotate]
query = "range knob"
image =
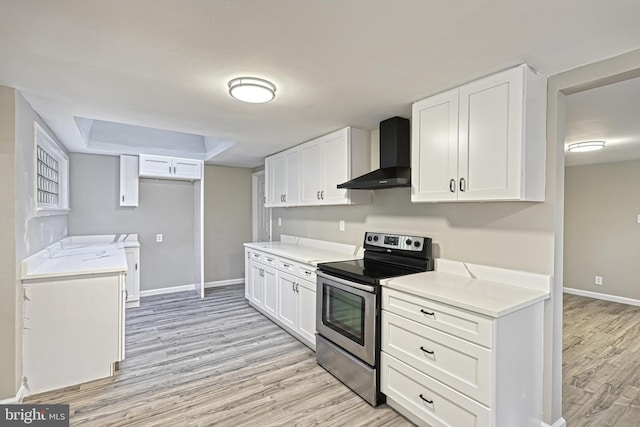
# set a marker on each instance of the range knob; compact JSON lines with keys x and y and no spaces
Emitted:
{"x":368,"y":238}
{"x":408,"y":242}
{"x":416,"y":243}
{"x":375,"y":238}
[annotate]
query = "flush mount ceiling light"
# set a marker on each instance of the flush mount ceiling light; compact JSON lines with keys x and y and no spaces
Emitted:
{"x":581,"y":147}
{"x":252,"y":89}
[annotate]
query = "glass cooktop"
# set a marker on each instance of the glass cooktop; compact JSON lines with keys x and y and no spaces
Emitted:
{"x":365,"y":271}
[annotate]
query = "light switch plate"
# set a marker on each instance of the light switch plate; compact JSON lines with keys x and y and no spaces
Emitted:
{"x":279,"y":221}
{"x":159,"y":238}
{"x":342,"y":225}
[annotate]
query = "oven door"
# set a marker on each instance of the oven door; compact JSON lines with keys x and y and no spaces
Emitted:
{"x":346,"y":315}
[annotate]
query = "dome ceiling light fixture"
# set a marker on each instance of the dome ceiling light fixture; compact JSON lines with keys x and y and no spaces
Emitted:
{"x":582,"y":147}
{"x":252,"y":89}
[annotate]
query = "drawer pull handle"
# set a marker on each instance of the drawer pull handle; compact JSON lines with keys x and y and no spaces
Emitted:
{"x":428,"y":313}
{"x":270,"y":259}
{"x":430,"y":402}
{"x":425,"y":350}
{"x":286,"y":265}
{"x":308,"y":273}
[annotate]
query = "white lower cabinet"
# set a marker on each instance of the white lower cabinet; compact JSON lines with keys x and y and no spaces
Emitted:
{"x":445,"y":366}
{"x":132,"y":281}
{"x":247,"y":274}
{"x":287,"y":299}
{"x":284,"y":290}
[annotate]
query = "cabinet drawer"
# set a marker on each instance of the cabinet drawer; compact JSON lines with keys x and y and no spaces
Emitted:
{"x":461,"y":323}
{"x":270,"y":260}
{"x":255,"y":256}
{"x":287,"y":265}
{"x":460,"y":364}
{"x":306,"y":272}
{"x":427,"y":399}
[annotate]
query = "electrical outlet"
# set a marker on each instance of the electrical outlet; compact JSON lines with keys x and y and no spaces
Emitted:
{"x":638,"y":219}
{"x":279,"y":221}
{"x":159,"y":238}
{"x":342,"y":225}
{"x":598,"y":280}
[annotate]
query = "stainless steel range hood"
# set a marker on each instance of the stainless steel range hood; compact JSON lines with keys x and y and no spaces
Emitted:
{"x":395,"y":161}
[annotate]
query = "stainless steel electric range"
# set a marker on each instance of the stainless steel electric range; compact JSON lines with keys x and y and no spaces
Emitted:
{"x":348,"y":307}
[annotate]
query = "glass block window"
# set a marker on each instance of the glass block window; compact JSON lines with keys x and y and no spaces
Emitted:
{"x":48,"y":178}
{"x":51,"y":177}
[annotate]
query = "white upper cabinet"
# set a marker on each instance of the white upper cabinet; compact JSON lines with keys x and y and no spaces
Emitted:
{"x":483,"y":141}
{"x":170,"y":167}
{"x":333,"y":159}
{"x":309,"y":174}
{"x":283,"y":177}
{"x":128,"y":180}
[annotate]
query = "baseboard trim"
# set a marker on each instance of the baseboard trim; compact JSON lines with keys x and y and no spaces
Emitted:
{"x":606,"y":297}
{"x":560,"y":422}
{"x":161,"y":291}
{"x":219,"y":283}
{"x":20,"y":395}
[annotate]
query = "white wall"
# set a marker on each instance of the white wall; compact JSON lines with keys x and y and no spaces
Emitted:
{"x":227,"y":221}
{"x":165,"y":207}
{"x":23,"y":233}
{"x":602,"y":235}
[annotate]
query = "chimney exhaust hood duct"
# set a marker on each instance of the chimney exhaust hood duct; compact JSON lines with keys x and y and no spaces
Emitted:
{"x":395,"y":160}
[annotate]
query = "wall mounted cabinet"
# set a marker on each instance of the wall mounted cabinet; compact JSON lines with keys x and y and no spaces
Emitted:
{"x":308,"y":174}
{"x":129,"y":180}
{"x":283,"y":179}
{"x":169,"y":167}
{"x":482,"y":141}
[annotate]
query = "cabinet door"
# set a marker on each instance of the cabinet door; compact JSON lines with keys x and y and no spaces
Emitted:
{"x":132,"y":281}
{"x":155,"y":166}
{"x":292,"y":178}
{"x":491,"y":120}
{"x":247,"y":274}
{"x":187,"y":169}
{"x":128,"y":180}
{"x":336,"y":167}
{"x":311,"y":167}
{"x":434,"y":151}
{"x":287,"y":300}
{"x":279,"y":174}
{"x":257,"y":284}
{"x":270,"y":290}
{"x":307,"y":310}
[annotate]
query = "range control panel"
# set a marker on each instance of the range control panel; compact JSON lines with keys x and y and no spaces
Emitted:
{"x":395,"y":241}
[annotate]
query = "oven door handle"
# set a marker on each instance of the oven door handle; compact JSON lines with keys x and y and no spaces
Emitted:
{"x":349,"y":283}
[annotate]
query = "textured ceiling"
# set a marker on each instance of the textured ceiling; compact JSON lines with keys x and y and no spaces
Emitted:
{"x":165,"y":64}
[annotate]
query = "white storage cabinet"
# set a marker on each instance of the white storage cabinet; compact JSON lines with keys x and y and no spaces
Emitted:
{"x":445,"y":366}
{"x":132,"y":280}
{"x":151,"y":166}
{"x":129,"y":182}
{"x":283,"y":177}
{"x":484,"y":141}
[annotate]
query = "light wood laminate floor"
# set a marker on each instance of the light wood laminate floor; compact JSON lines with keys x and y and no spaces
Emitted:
{"x":601,"y":363}
{"x":214,"y":361}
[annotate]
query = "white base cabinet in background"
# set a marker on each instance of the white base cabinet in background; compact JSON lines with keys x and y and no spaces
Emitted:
{"x":445,"y":366}
{"x":283,"y":290}
{"x":132,"y":281}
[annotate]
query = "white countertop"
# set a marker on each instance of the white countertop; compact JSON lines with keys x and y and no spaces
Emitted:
{"x":80,"y":255}
{"x":480,"y":296}
{"x":307,"y":251}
